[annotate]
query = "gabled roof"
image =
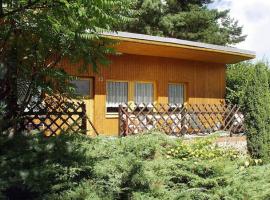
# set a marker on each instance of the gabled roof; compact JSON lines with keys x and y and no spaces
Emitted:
{"x":171,"y":47}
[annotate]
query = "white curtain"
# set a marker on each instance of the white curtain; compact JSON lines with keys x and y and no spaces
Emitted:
{"x":176,"y":94}
{"x":117,"y":93}
{"x":144,"y":93}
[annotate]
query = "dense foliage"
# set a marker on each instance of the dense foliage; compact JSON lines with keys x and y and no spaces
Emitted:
{"x":135,"y":167}
{"x":237,"y":77}
{"x":248,"y":85}
{"x":256,"y":106}
{"x":36,"y":35}
{"x":191,"y":20}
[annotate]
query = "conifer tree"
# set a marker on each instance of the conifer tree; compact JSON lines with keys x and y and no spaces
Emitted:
{"x":185,"y":19}
{"x":256,"y":104}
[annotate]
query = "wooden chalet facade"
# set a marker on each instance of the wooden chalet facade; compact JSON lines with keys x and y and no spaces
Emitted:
{"x":154,"y":70}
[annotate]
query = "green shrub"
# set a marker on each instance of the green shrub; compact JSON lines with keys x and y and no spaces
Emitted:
{"x":250,"y":183}
{"x":34,"y":165}
{"x":256,"y":107}
{"x":237,"y":77}
{"x":72,"y":167}
{"x":248,"y":86}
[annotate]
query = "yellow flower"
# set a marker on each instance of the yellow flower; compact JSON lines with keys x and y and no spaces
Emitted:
{"x":242,"y":168}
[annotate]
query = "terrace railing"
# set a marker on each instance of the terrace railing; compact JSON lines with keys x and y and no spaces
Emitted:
{"x":55,"y":114}
{"x":180,"y":119}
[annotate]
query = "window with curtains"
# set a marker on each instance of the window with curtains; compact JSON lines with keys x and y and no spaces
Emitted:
{"x":176,"y":94}
{"x":144,"y":93}
{"x":117,"y":93}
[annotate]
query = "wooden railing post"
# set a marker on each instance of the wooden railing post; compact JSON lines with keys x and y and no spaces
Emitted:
{"x":84,"y":121}
{"x":120,"y":120}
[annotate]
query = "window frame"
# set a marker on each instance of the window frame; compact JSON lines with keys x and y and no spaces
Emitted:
{"x":184,"y":92}
{"x":131,"y":94}
{"x":154,"y":97}
{"x":114,"y":114}
{"x":91,"y":90}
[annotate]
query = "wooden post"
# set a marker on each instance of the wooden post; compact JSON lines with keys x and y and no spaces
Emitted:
{"x":84,"y":122}
{"x":120,"y":120}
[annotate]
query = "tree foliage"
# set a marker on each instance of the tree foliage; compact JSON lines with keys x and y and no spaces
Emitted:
{"x":237,"y":77}
{"x":256,"y":106}
{"x":35,"y":35}
{"x":248,"y":86}
{"x":191,"y":20}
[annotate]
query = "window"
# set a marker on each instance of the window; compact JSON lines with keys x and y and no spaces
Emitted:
{"x":117,"y":93}
{"x":84,"y":87}
{"x":144,"y":93}
{"x":176,"y":94}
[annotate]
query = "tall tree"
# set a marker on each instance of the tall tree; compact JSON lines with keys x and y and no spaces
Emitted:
{"x":185,"y":19}
{"x":35,"y":35}
{"x":256,"y":107}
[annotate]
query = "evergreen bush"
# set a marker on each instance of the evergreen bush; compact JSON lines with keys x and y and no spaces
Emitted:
{"x":256,"y":107}
{"x":73,"y":166}
{"x":237,"y":78}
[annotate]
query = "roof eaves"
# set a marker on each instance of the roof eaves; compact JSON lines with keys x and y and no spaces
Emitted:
{"x":175,"y":41}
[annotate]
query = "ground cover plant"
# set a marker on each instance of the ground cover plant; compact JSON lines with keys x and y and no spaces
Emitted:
{"x":73,"y":166}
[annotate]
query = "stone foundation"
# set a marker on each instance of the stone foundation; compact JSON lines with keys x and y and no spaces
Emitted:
{"x":237,"y":142}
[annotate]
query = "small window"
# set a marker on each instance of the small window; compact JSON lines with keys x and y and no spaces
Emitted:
{"x":83,"y":87}
{"x":117,"y":94}
{"x":176,"y":94}
{"x":144,"y":93}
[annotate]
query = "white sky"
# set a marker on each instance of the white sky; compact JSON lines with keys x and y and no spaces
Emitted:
{"x":254,"y":16}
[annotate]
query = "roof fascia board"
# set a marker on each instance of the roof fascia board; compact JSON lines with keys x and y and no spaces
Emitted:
{"x":140,"y":38}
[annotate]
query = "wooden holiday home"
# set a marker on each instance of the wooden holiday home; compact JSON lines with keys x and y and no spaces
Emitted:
{"x":154,"y":71}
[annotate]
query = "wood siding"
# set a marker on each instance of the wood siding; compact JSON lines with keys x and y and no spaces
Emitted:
{"x":204,"y":82}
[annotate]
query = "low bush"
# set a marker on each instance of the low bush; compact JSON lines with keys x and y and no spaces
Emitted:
{"x":135,"y":167}
{"x":201,"y":149}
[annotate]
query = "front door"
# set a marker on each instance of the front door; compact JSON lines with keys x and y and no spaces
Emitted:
{"x":85,"y":88}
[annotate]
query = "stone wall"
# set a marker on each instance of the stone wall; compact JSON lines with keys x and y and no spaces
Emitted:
{"x":237,"y":142}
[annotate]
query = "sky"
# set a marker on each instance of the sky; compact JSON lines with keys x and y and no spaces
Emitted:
{"x":254,"y":16}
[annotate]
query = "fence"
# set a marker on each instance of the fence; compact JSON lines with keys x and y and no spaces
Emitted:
{"x":180,"y":119}
{"x":55,"y":114}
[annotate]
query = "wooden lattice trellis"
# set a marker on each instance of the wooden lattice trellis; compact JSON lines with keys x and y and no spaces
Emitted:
{"x":180,"y":119}
{"x":54,"y":114}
